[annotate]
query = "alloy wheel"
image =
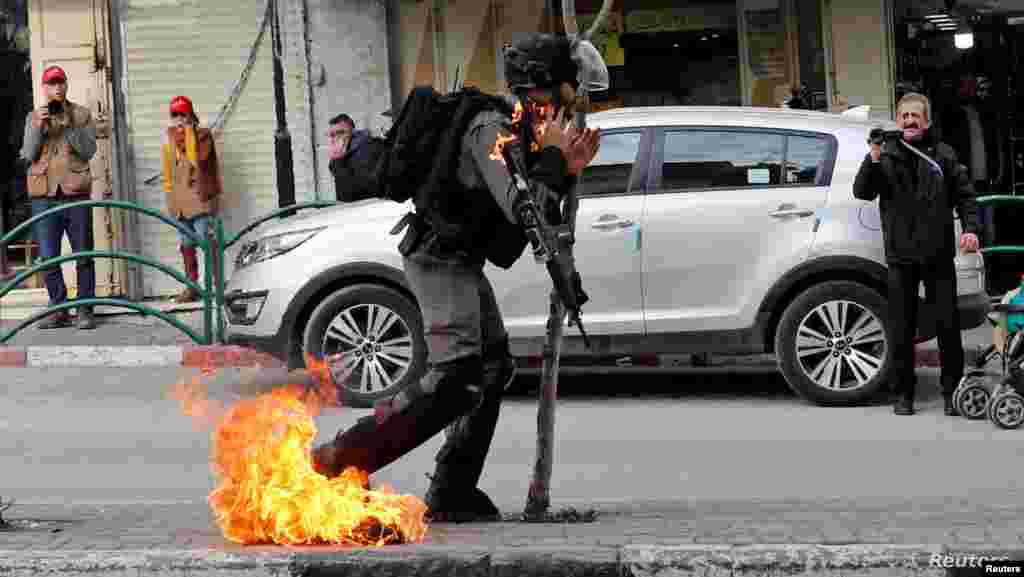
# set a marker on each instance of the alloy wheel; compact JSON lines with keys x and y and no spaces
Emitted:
{"x":371,"y":347}
{"x":841,"y":345}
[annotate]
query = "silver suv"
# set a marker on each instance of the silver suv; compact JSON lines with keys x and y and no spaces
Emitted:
{"x":722,"y":230}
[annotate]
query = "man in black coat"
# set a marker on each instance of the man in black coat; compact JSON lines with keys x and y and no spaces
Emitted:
{"x":352,"y":157}
{"x":919,"y":182}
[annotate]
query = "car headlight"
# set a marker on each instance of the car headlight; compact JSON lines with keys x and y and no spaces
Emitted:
{"x":270,"y":246}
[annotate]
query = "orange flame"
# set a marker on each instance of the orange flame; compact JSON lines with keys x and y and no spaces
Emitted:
{"x":268,"y":490}
{"x":539,"y":114}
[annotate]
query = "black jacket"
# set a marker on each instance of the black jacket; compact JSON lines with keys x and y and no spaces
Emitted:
{"x":916,"y":201}
{"x":351,"y":172}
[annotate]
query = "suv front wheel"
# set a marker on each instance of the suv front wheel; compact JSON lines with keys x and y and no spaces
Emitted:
{"x":374,"y":336}
{"x":832,"y":343}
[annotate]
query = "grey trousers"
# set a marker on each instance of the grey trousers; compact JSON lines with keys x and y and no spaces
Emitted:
{"x":461,"y":320}
{"x":460,"y":314}
{"x":468,"y":365}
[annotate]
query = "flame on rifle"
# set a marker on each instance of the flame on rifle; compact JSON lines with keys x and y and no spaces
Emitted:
{"x":539,"y":114}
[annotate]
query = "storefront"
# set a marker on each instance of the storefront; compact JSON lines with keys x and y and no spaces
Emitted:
{"x":74,"y":36}
{"x":660,"y":52}
{"x":966,"y":59}
{"x":218,"y":54}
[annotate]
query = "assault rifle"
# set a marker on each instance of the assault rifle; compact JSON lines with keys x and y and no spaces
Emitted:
{"x":551,"y":242}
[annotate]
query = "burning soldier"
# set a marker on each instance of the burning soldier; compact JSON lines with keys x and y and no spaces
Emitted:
{"x":470,"y":364}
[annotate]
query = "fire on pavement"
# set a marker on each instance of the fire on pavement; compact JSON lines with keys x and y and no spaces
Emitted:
{"x":269,"y":491}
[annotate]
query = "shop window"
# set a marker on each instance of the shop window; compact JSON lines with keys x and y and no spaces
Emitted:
{"x":697,"y":159}
{"x":612,"y":170}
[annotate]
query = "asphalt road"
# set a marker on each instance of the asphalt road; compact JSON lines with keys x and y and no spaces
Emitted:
{"x":113,"y":436}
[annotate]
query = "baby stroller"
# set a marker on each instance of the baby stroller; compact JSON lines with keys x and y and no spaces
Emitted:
{"x":999,"y":396}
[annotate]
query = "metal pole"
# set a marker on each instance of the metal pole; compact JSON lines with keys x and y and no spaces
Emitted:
{"x":282,"y":138}
{"x":218,"y":250}
{"x":208,"y":289}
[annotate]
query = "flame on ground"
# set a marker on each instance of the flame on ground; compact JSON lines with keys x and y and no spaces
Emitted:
{"x":268,"y":490}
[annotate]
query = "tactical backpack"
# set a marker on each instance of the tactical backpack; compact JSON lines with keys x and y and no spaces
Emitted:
{"x":419,"y":159}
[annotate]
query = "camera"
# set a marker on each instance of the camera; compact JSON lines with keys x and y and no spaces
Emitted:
{"x":879,"y":135}
{"x":55,"y":107}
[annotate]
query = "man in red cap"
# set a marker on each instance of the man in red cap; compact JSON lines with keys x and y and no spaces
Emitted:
{"x":191,"y":182}
{"x":60,"y":140}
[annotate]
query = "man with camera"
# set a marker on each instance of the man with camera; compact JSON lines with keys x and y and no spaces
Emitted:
{"x":60,"y":140}
{"x":919,"y":181}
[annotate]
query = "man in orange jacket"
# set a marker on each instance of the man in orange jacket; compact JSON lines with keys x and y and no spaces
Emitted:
{"x":191,"y":182}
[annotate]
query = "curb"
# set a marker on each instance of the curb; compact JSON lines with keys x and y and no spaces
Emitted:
{"x":213,"y":356}
{"x":440,"y":560}
{"x":217,"y":356}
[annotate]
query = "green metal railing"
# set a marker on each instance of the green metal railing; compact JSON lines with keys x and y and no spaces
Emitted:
{"x":997,"y":200}
{"x":211,"y":290}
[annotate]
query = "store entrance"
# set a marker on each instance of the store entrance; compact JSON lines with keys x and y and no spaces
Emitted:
{"x":966,"y":62}
{"x":15,"y":102}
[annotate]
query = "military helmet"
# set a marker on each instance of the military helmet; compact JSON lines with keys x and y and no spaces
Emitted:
{"x":540,"y":61}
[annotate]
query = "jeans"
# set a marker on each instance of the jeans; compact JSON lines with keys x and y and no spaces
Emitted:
{"x":77,"y":223}
{"x":199,"y":224}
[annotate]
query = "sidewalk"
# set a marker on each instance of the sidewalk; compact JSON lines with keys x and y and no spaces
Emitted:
{"x":891,"y":536}
{"x":123,"y":340}
{"x":135,"y":340}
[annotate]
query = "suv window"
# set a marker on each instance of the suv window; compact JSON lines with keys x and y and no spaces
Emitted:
{"x":700,"y":159}
{"x":807,"y":160}
{"x":611,"y":171}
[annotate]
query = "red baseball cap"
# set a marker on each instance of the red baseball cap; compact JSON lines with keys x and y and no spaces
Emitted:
{"x":54,"y":74}
{"x":182,"y":105}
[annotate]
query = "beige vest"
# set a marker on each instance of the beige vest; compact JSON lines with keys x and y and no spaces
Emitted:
{"x":56,"y":168}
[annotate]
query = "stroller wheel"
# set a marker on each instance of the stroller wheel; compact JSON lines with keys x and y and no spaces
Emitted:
{"x":973,"y":401}
{"x":966,"y":382}
{"x":1007,"y":410}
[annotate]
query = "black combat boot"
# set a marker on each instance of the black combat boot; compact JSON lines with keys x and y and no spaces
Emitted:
{"x":454,"y":503}
{"x":904,"y":405}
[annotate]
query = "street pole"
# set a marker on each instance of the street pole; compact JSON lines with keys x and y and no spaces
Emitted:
{"x":538,"y":499}
{"x":282,"y":138}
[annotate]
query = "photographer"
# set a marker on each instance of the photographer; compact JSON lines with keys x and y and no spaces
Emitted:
{"x":919,"y":182}
{"x":60,"y":140}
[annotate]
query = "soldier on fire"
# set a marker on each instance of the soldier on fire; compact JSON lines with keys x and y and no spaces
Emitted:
{"x":469,"y":359}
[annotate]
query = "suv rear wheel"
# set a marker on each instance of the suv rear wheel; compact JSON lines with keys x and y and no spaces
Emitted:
{"x":832,"y":343}
{"x":376,"y":335}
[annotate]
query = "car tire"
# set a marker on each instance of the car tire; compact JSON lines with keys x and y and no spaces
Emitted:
{"x":378,"y":372}
{"x":859,"y":315}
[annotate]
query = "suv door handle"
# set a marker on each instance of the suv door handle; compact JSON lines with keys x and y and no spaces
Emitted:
{"x":785,"y":211}
{"x":610,"y":222}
